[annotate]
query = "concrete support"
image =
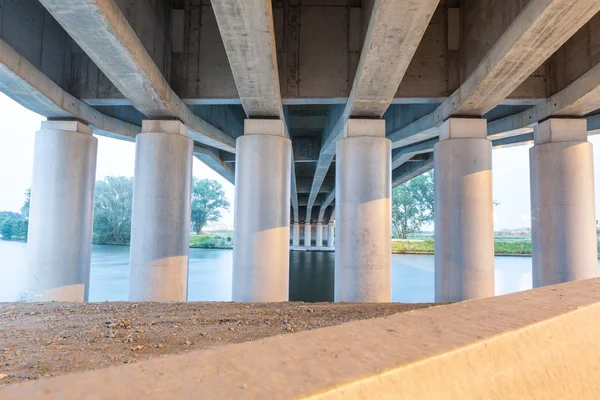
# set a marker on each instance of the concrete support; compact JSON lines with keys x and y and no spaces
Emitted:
{"x":319,"y":234}
{"x":563,"y":217}
{"x":363,"y":213}
{"x":464,"y":226}
{"x":331,"y":235}
{"x":61,"y":212}
{"x":296,"y":235}
{"x":307,"y":235}
{"x":262,"y":212}
{"x":160,"y":223}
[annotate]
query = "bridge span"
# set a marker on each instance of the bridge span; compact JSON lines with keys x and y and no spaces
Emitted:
{"x":315,"y":110}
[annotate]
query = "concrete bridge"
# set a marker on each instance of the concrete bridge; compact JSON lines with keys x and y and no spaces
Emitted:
{"x":315,"y":109}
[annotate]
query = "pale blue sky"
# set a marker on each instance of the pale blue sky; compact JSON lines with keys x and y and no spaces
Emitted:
{"x":18,"y":126}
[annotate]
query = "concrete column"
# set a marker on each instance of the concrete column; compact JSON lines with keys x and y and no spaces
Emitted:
{"x":464,"y":226}
{"x":363,"y":246}
{"x":331,"y":235}
{"x":307,"y":235}
{"x":296,"y":235}
{"x":563,"y":217}
{"x":61,"y":211}
{"x":319,"y":234}
{"x":160,"y":223}
{"x":262,"y":213}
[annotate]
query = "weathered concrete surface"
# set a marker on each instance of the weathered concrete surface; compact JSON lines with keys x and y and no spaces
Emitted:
{"x":523,"y":47}
{"x":296,"y":234}
{"x":464,"y":225}
{"x":363,"y":214}
{"x":161,"y":212}
{"x":534,"y":344}
{"x":262,"y":213}
{"x":59,"y":245}
{"x":331,"y":235}
{"x":563,"y":212}
{"x":103,"y":32}
{"x":28,"y":86}
{"x":307,"y":234}
{"x":394,"y":31}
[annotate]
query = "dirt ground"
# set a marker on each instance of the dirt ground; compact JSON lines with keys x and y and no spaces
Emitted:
{"x":48,"y":339}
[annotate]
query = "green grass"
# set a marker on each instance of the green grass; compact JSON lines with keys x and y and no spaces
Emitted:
{"x":211,"y":242}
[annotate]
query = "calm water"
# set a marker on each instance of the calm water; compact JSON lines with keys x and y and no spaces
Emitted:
{"x":311,"y":274}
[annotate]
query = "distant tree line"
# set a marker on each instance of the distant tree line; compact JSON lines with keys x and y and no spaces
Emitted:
{"x":112,"y":210}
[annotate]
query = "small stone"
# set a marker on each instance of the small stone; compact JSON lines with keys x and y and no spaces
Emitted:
{"x":187,"y":342}
{"x":136,"y":348}
{"x":2,"y":376}
{"x":160,"y":346}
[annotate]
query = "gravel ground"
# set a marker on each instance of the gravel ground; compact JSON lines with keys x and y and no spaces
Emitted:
{"x":40,"y":340}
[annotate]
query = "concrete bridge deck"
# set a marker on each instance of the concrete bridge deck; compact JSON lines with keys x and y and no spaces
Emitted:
{"x":315,"y":109}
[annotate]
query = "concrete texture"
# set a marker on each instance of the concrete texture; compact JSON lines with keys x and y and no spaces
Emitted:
{"x":319,"y":241}
{"x":528,"y":345}
{"x":363,"y":214}
{"x":61,"y":212}
{"x":563,"y":214}
{"x":464,"y":226}
{"x":102,"y":31}
{"x":296,"y":234}
{"x":521,"y":49}
{"x":160,"y":222}
{"x":331,"y":235}
{"x":262,"y":213}
{"x":307,"y":234}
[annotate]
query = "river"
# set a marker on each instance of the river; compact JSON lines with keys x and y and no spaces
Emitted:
{"x":311,"y":274}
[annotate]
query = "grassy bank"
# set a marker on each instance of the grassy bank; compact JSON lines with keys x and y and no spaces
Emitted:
{"x":211,"y":242}
{"x":502,"y":246}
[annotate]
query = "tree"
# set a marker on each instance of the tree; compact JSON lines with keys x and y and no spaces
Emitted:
{"x":7,"y":227}
{"x":112,"y":210}
{"x":412,"y":204}
{"x":25,"y":208}
{"x":208,"y":199}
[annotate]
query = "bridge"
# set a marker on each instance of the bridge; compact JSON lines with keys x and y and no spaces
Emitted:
{"x":314,"y":109}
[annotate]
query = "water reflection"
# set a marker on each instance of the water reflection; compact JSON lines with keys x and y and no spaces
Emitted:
{"x":311,"y":275}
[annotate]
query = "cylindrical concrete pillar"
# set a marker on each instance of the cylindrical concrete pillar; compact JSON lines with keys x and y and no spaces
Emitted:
{"x":296,"y":235}
{"x":307,"y":235}
{"x":319,"y":234}
{"x":363,"y":213}
{"x":61,"y":211}
{"x":160,"y":223}
{"x":464,"y":225}
{"x":563,"y":216}
{"x":262,"y":213}
{"x":330,"y":236}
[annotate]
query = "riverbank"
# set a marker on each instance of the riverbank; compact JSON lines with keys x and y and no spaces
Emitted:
{"x":49,"y":339}
{"x":502,"y":247}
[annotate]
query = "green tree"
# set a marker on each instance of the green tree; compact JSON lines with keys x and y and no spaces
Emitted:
{"x":412,"y":204}
{"x":25,"y":208}
{"x":7,"y":226}
{"x":208,"y":199}
{"x":112,"y":210}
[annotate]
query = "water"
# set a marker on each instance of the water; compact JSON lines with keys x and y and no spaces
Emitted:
{"x":311,"y":274}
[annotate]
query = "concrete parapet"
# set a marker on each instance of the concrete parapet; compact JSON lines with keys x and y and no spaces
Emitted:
{"x":533,"y":344}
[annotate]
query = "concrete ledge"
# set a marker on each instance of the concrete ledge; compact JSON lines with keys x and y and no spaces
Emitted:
{"x":538,"y":344}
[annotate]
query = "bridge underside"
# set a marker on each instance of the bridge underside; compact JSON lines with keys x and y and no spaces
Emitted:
{"x":313,"y":65}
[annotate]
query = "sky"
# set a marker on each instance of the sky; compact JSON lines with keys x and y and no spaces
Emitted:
{"x":510,"y":168}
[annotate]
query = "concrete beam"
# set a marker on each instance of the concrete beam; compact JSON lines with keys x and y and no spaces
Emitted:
{"x":102,"y":31}
{"x":246,"y":27}
{"x":523,"y":47}
{"x":28,"y":86}
{"x":212,"y":159}
{"x":512,"y":346}
{"x":395,"y":30}
{"x":248,"y":35}
{"x":408,"y":171}
{"x":404,"y":154}
{"x":328,"y":200}
{"x":578,"y":99}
